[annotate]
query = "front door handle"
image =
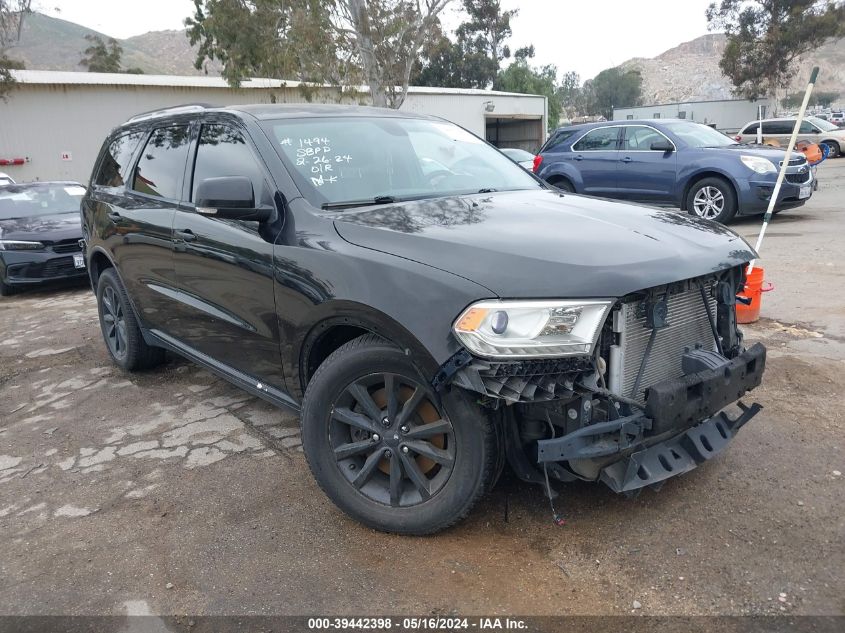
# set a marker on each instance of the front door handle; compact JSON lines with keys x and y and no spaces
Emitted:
{"x":186,"y":236}
{"x":627,"y":159}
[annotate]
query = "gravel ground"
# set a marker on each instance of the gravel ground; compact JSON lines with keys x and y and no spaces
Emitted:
{"x":172,"y":492}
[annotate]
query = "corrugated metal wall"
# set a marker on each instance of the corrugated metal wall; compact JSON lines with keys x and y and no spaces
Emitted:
{"x":45,"y":123}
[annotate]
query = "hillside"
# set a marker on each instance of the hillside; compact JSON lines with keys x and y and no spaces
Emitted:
{"x":52,"y":44}
{"x":690,"y":71}
{"x":687,"y":72}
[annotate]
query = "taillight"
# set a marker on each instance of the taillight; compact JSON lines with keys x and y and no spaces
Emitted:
{"x":737,"y":138}
{"x":537,"y":160}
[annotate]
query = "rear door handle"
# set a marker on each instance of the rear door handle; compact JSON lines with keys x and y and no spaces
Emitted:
{"x":579,"y":157}
{"x":627,"y":159}
{"x":186,"y":236}
{"x":114,"y":216}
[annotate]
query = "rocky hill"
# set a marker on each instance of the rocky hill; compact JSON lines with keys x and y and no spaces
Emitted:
{"x":690,"y":71}
{"x":52,"y":44}
{"x":687,"y":72}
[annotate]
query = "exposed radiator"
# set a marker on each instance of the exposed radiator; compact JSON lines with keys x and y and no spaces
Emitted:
{"x":687,"y":327}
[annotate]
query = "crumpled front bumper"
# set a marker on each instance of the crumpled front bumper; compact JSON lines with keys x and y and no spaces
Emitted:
{"x":687,"y":412}
{"x":677,"y":455}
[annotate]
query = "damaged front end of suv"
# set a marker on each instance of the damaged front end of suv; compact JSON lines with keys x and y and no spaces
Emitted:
{"x":628,"y":391}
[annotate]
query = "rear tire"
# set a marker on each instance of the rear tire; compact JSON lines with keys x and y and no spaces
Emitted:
{"x":712,"y":198}
{"x":408,"y":472}
{"x":564,"y":185}
{"x":120,"y":329}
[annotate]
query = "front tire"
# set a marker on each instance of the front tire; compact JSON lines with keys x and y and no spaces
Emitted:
{"x":386,"y":449}
{"x":6,"y":290}
{"x":120,"y":329}
{"x":833,"y":151}
{"x":712,"y":199}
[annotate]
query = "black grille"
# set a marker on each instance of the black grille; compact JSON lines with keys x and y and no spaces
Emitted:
{"x":798,"y":179}
{"x":67,"y":246}
{"x":526,"y":381}
{"x":58,"y":266}
{"x":795,"y":162}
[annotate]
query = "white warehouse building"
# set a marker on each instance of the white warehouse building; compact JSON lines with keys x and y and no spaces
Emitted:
{"x":726,"y":115}
{"x":53,"y":123}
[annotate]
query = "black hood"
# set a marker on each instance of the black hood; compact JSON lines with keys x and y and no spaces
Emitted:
{"x":537,"y":244}
{"x":42,"y":228}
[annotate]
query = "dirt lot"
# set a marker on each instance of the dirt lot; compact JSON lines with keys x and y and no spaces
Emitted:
{"x":172,"y":492}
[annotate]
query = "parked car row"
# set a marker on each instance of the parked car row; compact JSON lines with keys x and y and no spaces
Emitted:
{"x":672,"y":162}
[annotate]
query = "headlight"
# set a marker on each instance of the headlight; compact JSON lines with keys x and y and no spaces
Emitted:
{"x":531,"y":329}
{"x":758,"y":164}
{"x":18,"y":245}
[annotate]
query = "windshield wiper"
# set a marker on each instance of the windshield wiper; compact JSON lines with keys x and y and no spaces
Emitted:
{"x":349,"y":204}
{"x":487,"y":190}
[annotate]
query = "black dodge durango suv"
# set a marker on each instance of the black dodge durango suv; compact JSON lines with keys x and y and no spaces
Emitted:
{"x":432,"y":310}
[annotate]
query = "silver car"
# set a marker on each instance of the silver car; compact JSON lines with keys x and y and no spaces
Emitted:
{"x":814,"y":130}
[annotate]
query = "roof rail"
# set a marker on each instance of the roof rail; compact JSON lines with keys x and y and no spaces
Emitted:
{"x":180,"y":109}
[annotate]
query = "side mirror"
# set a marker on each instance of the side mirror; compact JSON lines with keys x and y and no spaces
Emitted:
{"x":662,"y":146}
{"x":230,"y":198}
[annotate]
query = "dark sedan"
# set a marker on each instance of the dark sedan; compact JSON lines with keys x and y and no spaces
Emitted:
{"x":39,"y":234}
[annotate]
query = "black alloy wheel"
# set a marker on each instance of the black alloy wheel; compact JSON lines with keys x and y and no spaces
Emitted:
{"x":114,"y":324}
{"x":390,"y":441}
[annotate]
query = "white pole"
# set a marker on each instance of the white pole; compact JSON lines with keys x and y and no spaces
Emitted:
{"x":773,"y":201}
{"x":759,"y":124}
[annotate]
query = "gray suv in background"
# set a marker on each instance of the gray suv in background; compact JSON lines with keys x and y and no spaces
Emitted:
{"x":813,"y":130}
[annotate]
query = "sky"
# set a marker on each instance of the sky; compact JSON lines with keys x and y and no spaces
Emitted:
{"x":583,"y":36}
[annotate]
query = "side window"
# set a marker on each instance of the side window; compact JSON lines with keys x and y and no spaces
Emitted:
{"x":115,"y":164}
{"x":555,"y":143}
{"x":807,"y":128}
{"x":639,"y":138}
{"x":223,"y":151}
{"x":776,"y":127}
{"x":603,"y":138}
{"x":751,"y":129}
{"x":162,"y":163}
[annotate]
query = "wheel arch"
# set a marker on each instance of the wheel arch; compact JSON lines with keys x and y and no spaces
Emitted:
{"x":701,"y":175}
{"x":99,"y":261}
{"x":343,"y":321}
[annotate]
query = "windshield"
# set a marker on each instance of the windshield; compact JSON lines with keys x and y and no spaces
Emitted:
{"x":698,"y":135}
{"x":824,"y":126}
{"x":383,"y":159}
{"x":31,"y":200}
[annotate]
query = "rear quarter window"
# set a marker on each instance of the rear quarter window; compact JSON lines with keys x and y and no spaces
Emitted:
{"x":556,"y":142}
{"x":117,"y":159}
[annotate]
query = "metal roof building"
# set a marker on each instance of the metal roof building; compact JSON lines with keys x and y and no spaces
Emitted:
{"x":56,"y":121}
{"x":726,"y":115}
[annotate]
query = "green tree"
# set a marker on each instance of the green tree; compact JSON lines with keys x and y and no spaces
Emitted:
{"x":522,"y":77}
{"x":12,"y":15}
{"x":613,"y":87}
{"x":473,"y":59}
{"x":765,"y":37}
{"x":570,"y":94}
{"x":101,"y":56}
{"x":824,"y":98}
{"x":340,"y":42}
